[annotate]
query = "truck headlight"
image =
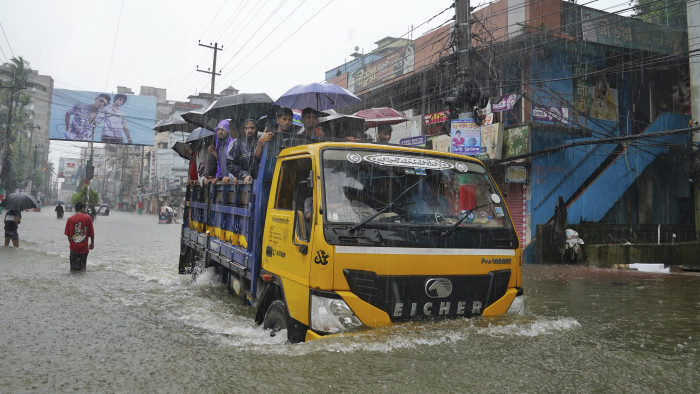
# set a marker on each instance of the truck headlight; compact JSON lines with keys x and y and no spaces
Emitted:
{"x":332,"y":315}
{"x":517,"y":307}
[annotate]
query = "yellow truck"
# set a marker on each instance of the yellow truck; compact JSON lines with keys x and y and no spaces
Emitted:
{"x":332,"y":237}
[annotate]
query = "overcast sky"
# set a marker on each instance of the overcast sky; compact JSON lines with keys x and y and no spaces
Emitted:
{"x":269,"y":45}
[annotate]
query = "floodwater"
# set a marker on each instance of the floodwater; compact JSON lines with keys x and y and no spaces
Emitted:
{"x":132,"y":324}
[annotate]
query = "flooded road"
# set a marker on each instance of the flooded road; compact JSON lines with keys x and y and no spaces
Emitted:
{"x":132,"y":324}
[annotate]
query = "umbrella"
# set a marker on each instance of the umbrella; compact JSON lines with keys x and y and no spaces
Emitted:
{"x":174,"y":125}
{"x":379,"y":116}
{"x":183,"y":149}
{"x":199,"y":133}
{"x":19,"y":202}
{"x":319,"y":96}
{"x":240,"y":107}
{"x":343,"y":125}
{"x":198,"y":119}
{"x":59,"y":202}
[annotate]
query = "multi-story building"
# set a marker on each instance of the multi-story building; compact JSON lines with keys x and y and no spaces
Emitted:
{"x":573,"y":99}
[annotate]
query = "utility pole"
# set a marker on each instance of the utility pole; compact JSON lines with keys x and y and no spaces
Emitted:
{"x":463,"y":19}
{"x":31,"y":132}
{"x":213,"y":72}
{"x":693,"y":10}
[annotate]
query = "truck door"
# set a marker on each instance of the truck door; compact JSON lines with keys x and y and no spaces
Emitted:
{"x":287,"y":236}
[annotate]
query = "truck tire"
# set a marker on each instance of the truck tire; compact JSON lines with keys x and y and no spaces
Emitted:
{"x":276,"y":317}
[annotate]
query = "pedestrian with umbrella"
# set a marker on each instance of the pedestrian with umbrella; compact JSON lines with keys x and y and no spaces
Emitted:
{"x":384,"y":134}
{"x":198,"y":141}
{"x":283,"y":125}
{"x":309,"y":118}
{"x":12,"y":220}
{"x":240,"y":161}
{"x":15,"y":203}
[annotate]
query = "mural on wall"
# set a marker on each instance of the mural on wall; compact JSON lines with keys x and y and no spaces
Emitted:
{"x":672,"y":92}
{"x":593,"y":95}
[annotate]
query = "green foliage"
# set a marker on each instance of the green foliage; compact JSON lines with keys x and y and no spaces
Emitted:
{"x":14,"y":144}
{"x":666,"y":12}
{"x":81,"y":195}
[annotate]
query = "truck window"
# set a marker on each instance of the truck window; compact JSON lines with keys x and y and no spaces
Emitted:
{"x":291,"y":173}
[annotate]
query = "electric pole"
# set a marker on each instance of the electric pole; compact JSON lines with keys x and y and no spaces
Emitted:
{"x":463,"y":19}
{"x":213,"y":72}
{"x":693,"y":10}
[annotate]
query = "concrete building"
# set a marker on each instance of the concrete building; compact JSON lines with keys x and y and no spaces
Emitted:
{"x":574,"y":95}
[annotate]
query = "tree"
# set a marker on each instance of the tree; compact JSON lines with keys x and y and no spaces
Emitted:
{"x":671,"y":13}
{"x":14,"y":79}
{"x":81,"y":196}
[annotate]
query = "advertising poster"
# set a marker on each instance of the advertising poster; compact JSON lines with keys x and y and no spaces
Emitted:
{"x":515,"y":141}
{"x":491,"y":141}
{"x":466,"y":137}
{"x":102,"y":117}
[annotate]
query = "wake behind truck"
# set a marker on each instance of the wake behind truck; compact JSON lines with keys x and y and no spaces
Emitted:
{"x":335,"y":236}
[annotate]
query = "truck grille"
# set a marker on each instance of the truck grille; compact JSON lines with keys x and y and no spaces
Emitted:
{"x":419,"y":297}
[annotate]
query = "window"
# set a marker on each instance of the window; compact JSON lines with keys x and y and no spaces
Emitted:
{"x":292,"y":172}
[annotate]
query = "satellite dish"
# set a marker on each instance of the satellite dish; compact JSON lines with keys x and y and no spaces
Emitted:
{"x":357,"y":48}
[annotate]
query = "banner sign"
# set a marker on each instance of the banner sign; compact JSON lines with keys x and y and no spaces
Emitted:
{"x":505,"y":103}
{"x":413,"y":141}
{"x":550,"y":114}
{"x":395,"y":64}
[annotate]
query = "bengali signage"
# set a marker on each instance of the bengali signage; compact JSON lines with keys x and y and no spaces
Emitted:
{"x":505,"y":103}
{"x":466,"y":137}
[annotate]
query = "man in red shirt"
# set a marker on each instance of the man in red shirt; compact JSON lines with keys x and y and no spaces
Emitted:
{"x":79,"y":229}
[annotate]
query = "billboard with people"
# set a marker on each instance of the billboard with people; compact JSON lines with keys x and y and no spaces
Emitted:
{"x":102,"y":117}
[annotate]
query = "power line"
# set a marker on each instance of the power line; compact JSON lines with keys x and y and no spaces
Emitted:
{"x":116,"y":35}
{"x":8,"y":41}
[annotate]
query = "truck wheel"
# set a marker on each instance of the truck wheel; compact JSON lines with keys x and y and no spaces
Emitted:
{"x":276,"y":317}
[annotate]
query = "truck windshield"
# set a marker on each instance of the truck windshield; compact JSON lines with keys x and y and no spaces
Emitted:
{"x":368,"y":188}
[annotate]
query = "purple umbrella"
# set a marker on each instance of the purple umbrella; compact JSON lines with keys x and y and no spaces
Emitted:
{"x":319,"y":96}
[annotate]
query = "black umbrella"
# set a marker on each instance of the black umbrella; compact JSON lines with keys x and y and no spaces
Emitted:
{"x":174,"y":125}
{"x":19,"y":202}
{"x":240,"y":107}
{"x":198,"y":119}
{"x":183,"y":149}
{"x":59,"y":202}
{"x":198,"y":134}
{"x":342,"y":125}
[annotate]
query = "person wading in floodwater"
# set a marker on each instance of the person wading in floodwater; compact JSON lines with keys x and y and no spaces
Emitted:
{"x":78,"y":230}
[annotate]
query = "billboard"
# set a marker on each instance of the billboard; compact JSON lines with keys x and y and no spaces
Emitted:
{"x":67,"y":168}
{"x":102,"y":117}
